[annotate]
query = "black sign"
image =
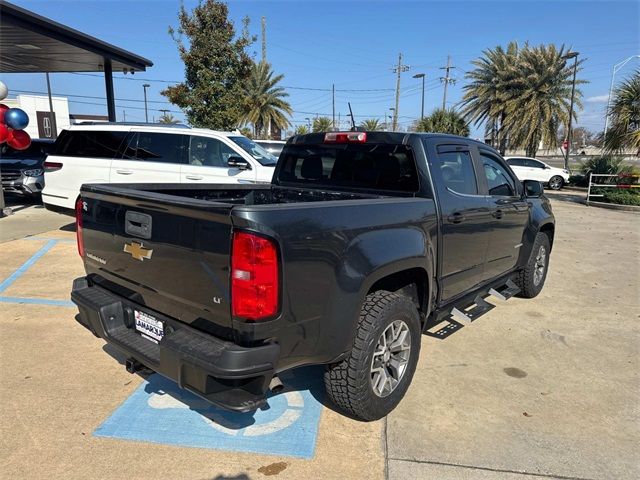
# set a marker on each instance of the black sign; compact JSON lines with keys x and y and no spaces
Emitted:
{"x":47,"y":125}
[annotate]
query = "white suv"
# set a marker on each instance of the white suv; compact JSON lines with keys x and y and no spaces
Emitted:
{"x":527,"y":168}
{"x":121,"y":153}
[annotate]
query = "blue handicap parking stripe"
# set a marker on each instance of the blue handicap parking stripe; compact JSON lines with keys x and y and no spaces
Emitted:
{"x":160,"y":412}
{"x":38,"y":301}
{"x":26,"y":265}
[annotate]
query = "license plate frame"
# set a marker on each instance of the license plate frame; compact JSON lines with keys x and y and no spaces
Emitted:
{"x":148,"y":326}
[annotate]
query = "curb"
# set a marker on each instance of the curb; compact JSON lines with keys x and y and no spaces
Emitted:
{"x":612,"y":206}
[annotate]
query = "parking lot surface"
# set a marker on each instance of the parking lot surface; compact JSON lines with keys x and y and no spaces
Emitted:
{"x":542,"y":388}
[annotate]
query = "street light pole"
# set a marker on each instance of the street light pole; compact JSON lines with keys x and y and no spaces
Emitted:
{"x":421,"y":75}
{"x":616,"y":67}
{"x":568,"y":56}
{"x":146,"y":113}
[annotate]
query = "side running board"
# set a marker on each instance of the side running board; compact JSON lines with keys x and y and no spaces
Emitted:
{"x":462,"y":315}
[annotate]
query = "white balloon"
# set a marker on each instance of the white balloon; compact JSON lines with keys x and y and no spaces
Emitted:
{"x":4,"y":91}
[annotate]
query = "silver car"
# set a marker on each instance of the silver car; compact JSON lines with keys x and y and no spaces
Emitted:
{"x":21,"y":171}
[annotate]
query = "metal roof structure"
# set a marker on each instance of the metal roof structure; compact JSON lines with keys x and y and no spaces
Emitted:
{"x":31,"y":43}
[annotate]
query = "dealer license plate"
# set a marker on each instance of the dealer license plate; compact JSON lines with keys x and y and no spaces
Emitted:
{"x":148,"y":326}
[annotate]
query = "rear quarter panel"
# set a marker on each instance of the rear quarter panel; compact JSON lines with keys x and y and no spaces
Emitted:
{"x":332,"y":253}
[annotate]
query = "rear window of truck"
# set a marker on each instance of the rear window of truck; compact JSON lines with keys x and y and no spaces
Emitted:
{"x":370,"y":166}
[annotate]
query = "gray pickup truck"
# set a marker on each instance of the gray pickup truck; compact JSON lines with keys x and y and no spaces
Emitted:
{"x":363,"y":242}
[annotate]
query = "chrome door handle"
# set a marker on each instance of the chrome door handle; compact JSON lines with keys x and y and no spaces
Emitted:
{"x":124,"y":172}
{"x":194,"y":177}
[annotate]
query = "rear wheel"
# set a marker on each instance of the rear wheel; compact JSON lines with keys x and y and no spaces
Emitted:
{"x":556,"y":182}
{"x":372,"y":380}
{"x":531,"y":279}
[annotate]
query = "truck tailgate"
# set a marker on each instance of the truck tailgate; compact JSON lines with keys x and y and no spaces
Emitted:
{"x":163,"y":252}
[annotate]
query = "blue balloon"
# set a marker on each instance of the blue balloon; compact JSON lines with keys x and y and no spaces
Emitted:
{"x":16,"y":118}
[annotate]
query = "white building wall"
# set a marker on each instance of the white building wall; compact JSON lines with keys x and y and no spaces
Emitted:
{"x":40,"y":103}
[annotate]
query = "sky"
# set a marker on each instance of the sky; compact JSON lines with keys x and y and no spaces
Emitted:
{"x":353,"y":45}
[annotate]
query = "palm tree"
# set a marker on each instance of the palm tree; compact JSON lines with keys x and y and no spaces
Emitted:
{"x":264,"y":100}
{"x":371,"y":124}
{"x":321,"y":124}
{"x":301,"y":130}
{"x":444,"y":121}
{"x":521,"y":95}
{"x":168,"y":119}
{"x":489,"y":88}
{"x":540,"y":98}
{"x":624,"y":132}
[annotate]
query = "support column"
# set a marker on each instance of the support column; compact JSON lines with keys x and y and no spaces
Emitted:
{"x":108,"y":84}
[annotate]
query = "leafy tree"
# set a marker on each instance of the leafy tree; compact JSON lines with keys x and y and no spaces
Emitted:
{"x":321,"y":124}
{"x":371,"y":125}
{"x":264,"y":100}
{"x":444,"y":121}
{"x":216,"y":66}
{"x":523,"y":95}
{"x":168,"y":119}
{"x":624,"y":130}
{"x":301,"y":130}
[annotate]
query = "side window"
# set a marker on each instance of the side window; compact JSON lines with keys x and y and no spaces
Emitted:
{"x":156,"y":147}
{"x":457,"y":170}
{"x":534,"y":164}
{"x":89,"y":143}
{"x":498,"y":180}
{"x":516,"y":162}
{"x":209,"y":152}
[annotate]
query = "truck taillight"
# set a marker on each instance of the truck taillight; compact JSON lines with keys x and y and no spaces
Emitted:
{"x":79,"y":238}
{"x":255,"y":277}
{"x":345,"y":137}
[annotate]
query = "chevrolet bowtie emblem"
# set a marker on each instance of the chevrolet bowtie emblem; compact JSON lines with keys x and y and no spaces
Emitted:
{"x":138,"y":251}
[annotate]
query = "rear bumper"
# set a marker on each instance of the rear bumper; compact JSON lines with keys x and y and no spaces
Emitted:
{"x":221,"y":372}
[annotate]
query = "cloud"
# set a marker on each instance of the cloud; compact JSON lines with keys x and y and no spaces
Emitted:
{"x":598,"y":99}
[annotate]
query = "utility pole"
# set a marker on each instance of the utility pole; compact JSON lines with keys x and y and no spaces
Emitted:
{"x":333,"y":105}
{"x":569,"y":56}
{"x":398,"y":70}
{"x":264,"y":39}
{"x":124,"y":115}
{"x":52,"y":115}
{"x":446,"y":80}
{"x":146,"y":113}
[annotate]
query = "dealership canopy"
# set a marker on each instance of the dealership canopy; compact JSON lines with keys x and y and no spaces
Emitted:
{"x":31,"y":43}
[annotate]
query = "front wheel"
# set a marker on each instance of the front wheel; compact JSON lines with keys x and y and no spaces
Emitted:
{"x":556,"y":182}
{"x":532,"y":277}
{"x":372,"y":380}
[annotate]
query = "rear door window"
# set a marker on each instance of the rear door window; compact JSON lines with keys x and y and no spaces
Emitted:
{"x":516,"y":162}
{"x":456,"y":168}
{"x":156,"y":147}
{"x":368,"y":166}
{"x":89,"y":143}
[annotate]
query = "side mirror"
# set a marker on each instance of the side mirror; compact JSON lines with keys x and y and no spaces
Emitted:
{"x":238,"y":162}
{"x":547,"y":167}
{"x":532,"y":188}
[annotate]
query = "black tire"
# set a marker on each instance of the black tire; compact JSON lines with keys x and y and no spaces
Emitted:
{"x":556,"y":182}
{"x":349,"y":383}
{"x":530,"y":279}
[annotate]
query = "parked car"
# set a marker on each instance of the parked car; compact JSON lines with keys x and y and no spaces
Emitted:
{"x":358,"y":246}
{"x":21,"y":171}
{"x":531,"y":169}
{"x":274,"y":147}
{"x":124,"y":153}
